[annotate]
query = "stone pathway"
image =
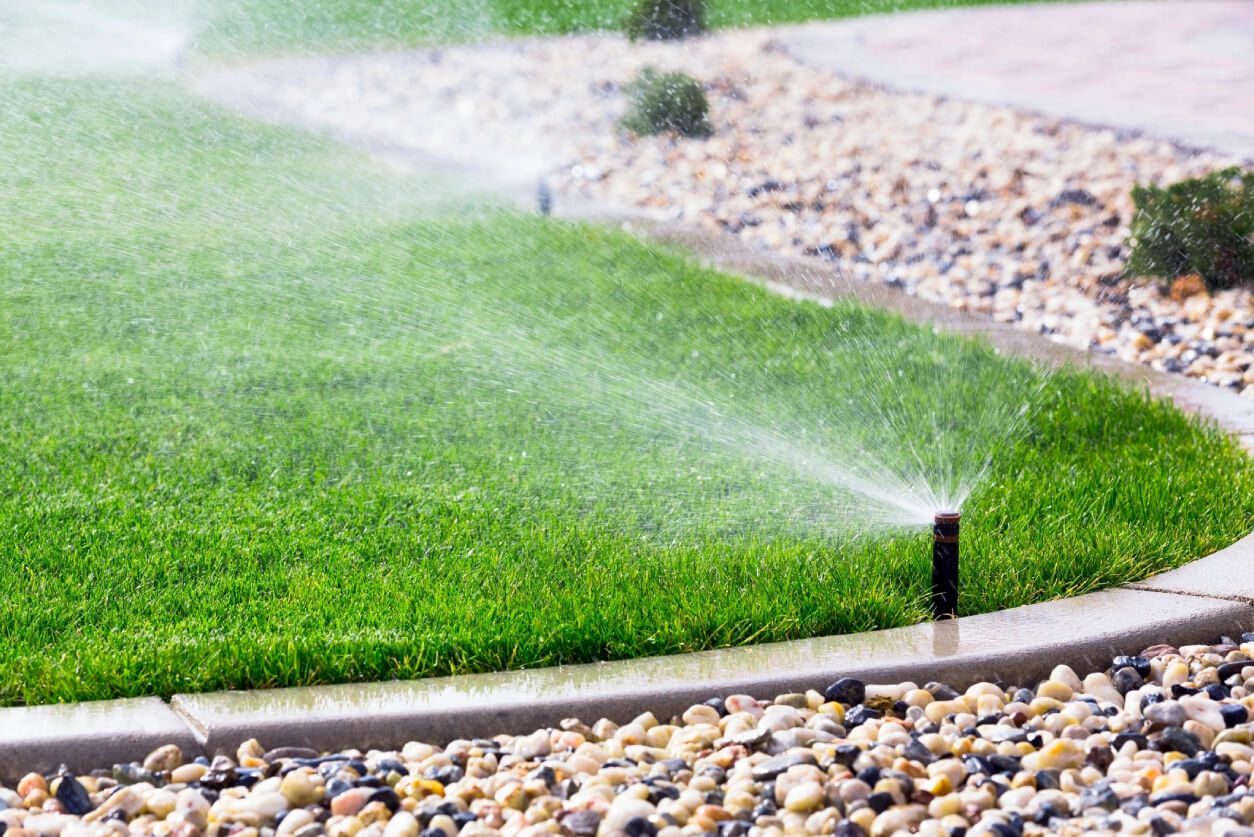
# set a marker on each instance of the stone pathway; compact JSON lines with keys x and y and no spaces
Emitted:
{"x":1180,"y":69}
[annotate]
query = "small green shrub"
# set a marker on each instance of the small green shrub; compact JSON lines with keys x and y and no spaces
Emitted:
{"x":1203,"y":226}
{"x":663,"y":102}
{"x":665,"y":20}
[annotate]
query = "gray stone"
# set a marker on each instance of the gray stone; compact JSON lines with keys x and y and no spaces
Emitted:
{"x":1126,"y":679}
{"x":1168,"y":713}
{"x":774,"y":766}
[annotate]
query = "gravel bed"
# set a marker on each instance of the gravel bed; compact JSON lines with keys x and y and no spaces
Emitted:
{"x":1018,"y":216}
{"x":1159,"y":742}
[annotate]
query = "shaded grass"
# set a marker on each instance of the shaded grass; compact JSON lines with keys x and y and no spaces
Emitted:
{"x":271,"y":415}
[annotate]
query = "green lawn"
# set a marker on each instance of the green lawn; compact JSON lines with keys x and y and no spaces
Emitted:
{"x":321,"y":25}
{"x":271,"y":414}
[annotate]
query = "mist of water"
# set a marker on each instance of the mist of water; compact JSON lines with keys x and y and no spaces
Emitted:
{"x":69,"y":38}
{"x":898,"y":436}
{"x":896,"y":439}
{"x":879,"y":456}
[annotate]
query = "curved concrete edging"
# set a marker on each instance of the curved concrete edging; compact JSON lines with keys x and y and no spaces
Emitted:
{"x":1195,"y":603}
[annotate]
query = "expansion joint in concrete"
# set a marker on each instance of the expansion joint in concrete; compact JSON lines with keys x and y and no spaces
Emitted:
{"x":194,"y":725}
{"x":1149,"y":588}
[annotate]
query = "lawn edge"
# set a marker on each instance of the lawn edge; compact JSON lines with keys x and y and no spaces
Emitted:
{"x":1194,"y":603}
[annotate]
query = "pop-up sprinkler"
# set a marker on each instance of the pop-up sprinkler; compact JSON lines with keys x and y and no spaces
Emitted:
{"x":544,"y":198}
{"x":945,"y":565}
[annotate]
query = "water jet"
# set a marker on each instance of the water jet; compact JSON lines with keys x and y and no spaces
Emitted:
{"x":945,"y":564}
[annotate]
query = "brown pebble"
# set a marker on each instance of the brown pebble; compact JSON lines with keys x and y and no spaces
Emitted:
{"x":350,"y":802}
{"x":31,"y":782}
{"x":1159,"y":651}
{"x":164,"y":759}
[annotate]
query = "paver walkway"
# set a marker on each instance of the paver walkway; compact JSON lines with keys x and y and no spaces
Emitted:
{"x":1179,"y":69}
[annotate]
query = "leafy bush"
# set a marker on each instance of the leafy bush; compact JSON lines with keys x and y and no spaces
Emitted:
{"x":1203,"y":226}
{"x":664,"y":20}
{"x":663,"y":102}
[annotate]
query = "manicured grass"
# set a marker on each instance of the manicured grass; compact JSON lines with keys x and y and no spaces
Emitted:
{"x":322,"y":25}
{"x":271,"y":415}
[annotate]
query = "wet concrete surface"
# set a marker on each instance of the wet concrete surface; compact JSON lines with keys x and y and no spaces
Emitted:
{"x":87,"y":735}
{"x":1017,"y":646}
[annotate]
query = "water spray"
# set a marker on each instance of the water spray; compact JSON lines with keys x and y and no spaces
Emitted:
{"x":945,"y":565}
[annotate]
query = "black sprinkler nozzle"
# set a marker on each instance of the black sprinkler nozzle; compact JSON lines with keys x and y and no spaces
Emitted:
{"x":544,"y":198}
{"x":945,"y":565}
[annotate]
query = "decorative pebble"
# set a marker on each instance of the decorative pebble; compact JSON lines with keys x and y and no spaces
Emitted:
{"x":846,"y":690}
{"x":804,"y":797}
{"x":72,"y":795}
{"x":1127,"y":679}
{"x":533,"y":746}
{"x":301,"y":787}
{"x":771,"y":768}
{"x":1168,"y":713}
{"x":624,"y":810}
{"x":164,"y":759}
{"x":1078,"y":755}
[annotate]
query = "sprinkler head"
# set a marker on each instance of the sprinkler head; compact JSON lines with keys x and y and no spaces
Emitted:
{"x":945,"y":564}
{"x":544,"y":198}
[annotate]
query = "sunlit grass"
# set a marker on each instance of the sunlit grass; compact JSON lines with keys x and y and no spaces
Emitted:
{"x":256,"y":429}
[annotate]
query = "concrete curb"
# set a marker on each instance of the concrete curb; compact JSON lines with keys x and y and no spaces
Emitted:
{"x":87,"y":735}
{"x":1015,"y":646}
